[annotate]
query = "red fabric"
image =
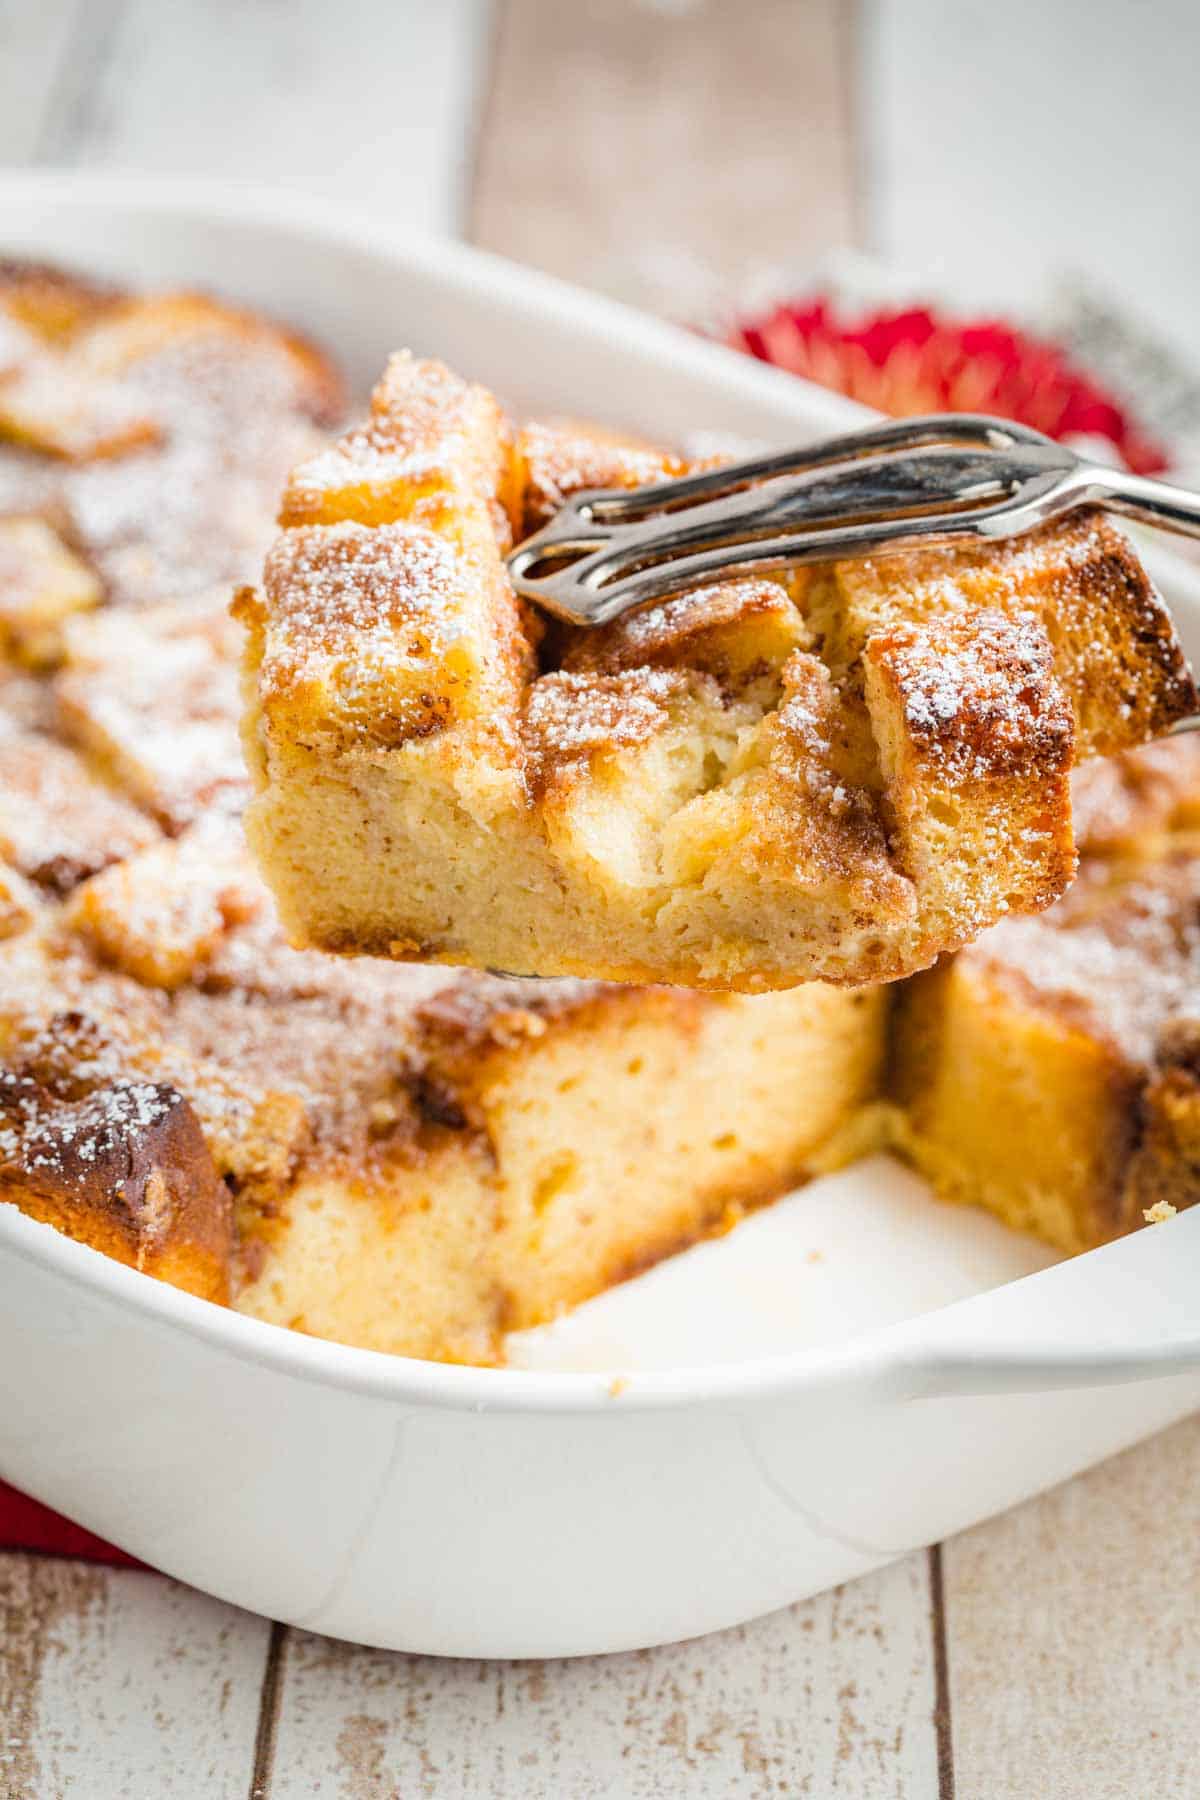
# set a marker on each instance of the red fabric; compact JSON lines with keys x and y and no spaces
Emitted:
{"x":27,"y":1525}
{"x":914,"y":360}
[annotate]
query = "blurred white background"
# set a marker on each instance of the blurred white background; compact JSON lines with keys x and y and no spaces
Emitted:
{"x":668,"y":149}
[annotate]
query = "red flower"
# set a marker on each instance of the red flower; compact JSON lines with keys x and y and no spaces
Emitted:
{"x":913,"y":362}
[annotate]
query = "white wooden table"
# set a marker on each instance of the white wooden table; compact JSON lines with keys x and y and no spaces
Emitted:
{"x":1053,"y":1654}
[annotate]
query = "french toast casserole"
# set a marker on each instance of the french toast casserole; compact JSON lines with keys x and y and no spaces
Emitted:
{"x":421,"y":1158}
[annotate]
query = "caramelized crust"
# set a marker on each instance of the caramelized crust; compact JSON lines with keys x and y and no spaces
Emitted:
{"x":755,"y":784}
{"x":123,"y":1167}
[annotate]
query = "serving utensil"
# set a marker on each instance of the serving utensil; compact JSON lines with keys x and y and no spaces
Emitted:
{"x":945,"y":479}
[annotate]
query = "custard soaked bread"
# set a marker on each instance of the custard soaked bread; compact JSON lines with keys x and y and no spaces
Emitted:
{"x":387,"y":1156}
{"x":835,"y":776}
{"x":1051,"y":1072}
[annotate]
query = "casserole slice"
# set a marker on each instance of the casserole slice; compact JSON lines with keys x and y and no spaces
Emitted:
{"x":836,"y":776}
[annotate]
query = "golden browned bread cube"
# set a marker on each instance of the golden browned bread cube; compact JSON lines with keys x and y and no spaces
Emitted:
{"x":1050,"y":1071}
{"x":52,"y":401}
{"x":162,"y":913}
{"x":42,"y":584}
{"x":123,"y":1168}
{"x":155,"y":431}
{"x":51,"y":302}
{"x":1132,"y":802}
{"x":558,"y":459}
{"x":58,"y":823}
{"x":92,"y":1144}
{"x":837,"y":777}
{"x":151,"y":699}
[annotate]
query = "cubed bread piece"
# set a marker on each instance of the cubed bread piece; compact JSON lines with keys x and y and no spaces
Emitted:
{"x":1115,"y":651}
{"x":433,"y":446}
{"x":974,"y":740}
{"x":124,"y":1169}
{"x":135,"y":331}
{"x":568,"y":1136}
{"x":42,"y":584}
{"x":151,"y":699}
{"x":741,"y":633}
{"x":1128,"y":804}
{"x":656,"y":816}
{"x":563,"y":457}
{"x":51,"y":302}
{"x":1048,"y":1072}
{"x":374,"y":636}
{"x":58,"y":822}
{"x":784,"y":861}
{"x":161,"y":914}
{"x":92,"y":1145}
{"x":53,"y":402}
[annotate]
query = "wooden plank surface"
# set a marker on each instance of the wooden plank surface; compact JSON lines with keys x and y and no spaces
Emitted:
{"x":833,"y":1698}
{"x":367,"y":105}
{"x":116,"y":1683}
{"x":661,"y":151}
{"x":1073,"y":1638}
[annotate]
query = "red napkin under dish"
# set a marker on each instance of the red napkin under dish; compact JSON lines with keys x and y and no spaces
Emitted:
{"x":28,"y":1525}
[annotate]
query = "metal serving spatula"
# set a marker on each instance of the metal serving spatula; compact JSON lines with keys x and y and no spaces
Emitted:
{"x":949,"y":478}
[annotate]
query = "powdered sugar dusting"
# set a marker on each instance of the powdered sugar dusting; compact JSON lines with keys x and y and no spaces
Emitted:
{"x":226,"y":407}
{"x":570,"y":718}
{"x":40,"y":1137}
{"x":1125,"y":958}
{"x":979,"y":695}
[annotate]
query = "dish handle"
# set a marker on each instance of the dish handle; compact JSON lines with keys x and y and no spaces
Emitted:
{"x":1127,"y":1312}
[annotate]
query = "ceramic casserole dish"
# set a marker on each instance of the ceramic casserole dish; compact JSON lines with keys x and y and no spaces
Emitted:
{"x":541,"y":1511}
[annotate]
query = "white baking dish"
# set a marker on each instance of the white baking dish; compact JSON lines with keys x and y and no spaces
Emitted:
{"x":531,"y":1511}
